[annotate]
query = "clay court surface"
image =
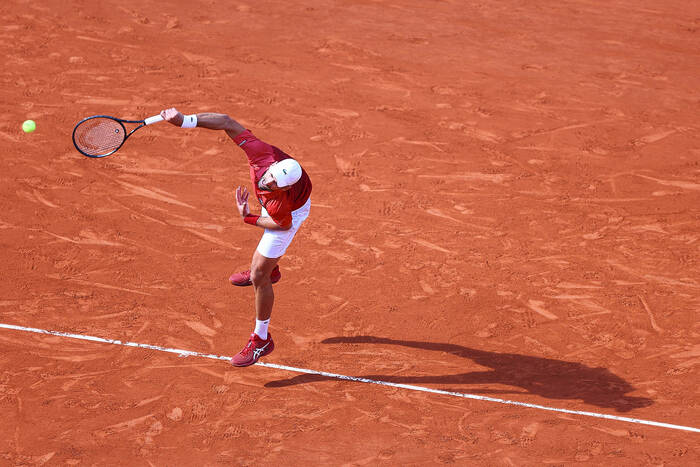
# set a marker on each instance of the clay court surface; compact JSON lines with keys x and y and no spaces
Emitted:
{"x":506,"y":203}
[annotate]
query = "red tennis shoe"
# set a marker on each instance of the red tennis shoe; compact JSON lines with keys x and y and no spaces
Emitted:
{"x":254,"y":349}
{"x":242,"y":279}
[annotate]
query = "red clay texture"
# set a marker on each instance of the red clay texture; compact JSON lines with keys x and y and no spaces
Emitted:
{"x":506,"y":203}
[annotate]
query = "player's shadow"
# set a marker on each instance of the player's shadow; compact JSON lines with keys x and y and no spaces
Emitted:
{"x":546,"y":377}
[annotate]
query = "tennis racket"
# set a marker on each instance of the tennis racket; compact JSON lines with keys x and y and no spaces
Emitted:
{"x":102,"y":135}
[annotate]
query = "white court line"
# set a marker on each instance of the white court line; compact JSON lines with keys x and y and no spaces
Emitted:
{"x":189,"y":353}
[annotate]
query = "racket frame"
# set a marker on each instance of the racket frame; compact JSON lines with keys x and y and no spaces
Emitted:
{"x":121,"y":121}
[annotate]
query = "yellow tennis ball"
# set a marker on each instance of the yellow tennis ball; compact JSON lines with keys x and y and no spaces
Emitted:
{"x":28,"y":126}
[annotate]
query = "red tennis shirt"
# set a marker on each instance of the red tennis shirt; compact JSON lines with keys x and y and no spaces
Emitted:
{"x":278,"y":204}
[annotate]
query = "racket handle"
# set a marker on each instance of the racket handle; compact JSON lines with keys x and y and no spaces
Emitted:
{"x":154,"y":119}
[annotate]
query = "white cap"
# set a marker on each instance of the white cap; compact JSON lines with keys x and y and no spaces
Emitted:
{"x":286,"y":172}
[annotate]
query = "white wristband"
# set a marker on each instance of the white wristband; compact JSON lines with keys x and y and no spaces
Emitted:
{"x":190,"y":121}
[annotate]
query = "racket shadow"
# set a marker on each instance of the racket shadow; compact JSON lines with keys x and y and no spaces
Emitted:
{"x":545,"y":377}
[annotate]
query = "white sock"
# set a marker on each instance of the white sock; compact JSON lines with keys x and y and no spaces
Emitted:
{"x":261,"y":328}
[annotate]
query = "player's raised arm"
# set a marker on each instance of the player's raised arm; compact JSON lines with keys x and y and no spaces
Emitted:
{"x":212,"y":121}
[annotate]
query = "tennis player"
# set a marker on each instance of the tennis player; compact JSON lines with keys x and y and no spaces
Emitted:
{"x":283,"y":189}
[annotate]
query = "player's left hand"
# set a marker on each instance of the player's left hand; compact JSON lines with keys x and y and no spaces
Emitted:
{"x":242,"y":201}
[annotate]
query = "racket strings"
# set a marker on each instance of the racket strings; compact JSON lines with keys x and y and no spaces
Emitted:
{"x":99,"y":136}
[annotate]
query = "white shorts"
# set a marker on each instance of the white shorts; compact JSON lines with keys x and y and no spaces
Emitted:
{"x":274,"y":243}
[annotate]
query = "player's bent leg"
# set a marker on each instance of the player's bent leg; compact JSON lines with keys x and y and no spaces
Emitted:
{"x":260,"y":270}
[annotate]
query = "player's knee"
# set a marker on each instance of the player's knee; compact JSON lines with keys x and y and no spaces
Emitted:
{"x":258,"y":277}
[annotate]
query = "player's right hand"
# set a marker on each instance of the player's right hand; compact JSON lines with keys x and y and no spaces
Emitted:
{"x":172,"y":115}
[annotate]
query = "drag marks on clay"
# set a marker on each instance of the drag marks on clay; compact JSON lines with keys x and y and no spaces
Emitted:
{"x":9,"y":137}
{"x":199,"y":59}
{"x":86,"y":238}
{"x":426,"y":288}
{"x":657,"y":228}
{"x":151,"y":171}
{"x":654,"y":326}
{"x":684,"y":281}
{"x":538,"y":307}
{"x":387,"y":86}
{"x":36,"y":197}
{"x":37,"y":460}
{"x":76,"y":358}
{"x":588,"y":304}
{"x":431,"y":246}
{"x":438,"y":213}
{"x":368,"y":189}
{"x":340,"y":256}
{"x":689,"y":359}
{"x":320,"y":238}
{"x":520,"y":135}
{"x":344,"y":113}
{"x":431,"y":144}
{"x":571,"y":285}
{"x":97,"y":284}
{"x":197,"y":225}
{"x":201,"y":235}
{"x":472,"y":176}
{"x":111,"y":316}
{"x":654,"y":137}
{"x":153,"y":193}
{"x":686,"y":185}
{"x":102,"y":101}
{"x":200,"y":328}
{"x":358,"y":68}
{"x":103,"y":41}
{"x":483,"y":135}
{"x":126,"y":425}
